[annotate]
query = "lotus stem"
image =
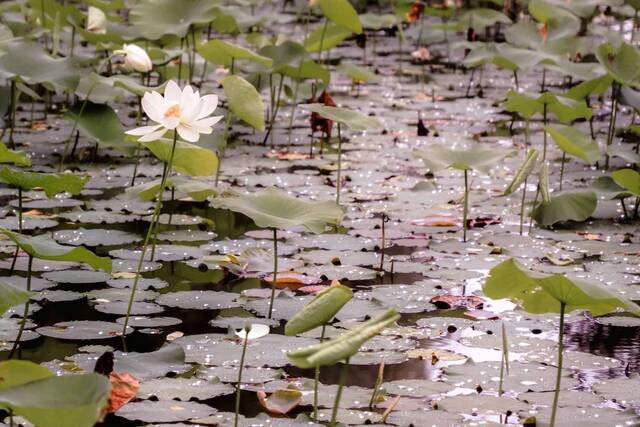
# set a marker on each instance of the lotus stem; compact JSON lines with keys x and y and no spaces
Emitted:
{"x":324,"y":32}
{"x":23,"y":322}
{"x":239,"y":383}
{"x":615,"y":92}
{"x":12,"y":118}
{"x":165,"y":173}
{"x":274,"y":112}
{"x":564,"y":157}
{"x":473,"y":72}
{"x":515,"y":78}
{"x":339,"y":181}
{"x":317,"y":380}
{"x":556,"y":393}
{"x":180,"y":60}
{"x":624,"y":210}
{"x":524,"y":194}
{"x":544,"y":133}
{"x":465,"y":210}
{"x":74,"y":128}
{"x":504,"y":361}
{"x":15,"y":254}
{"x":135,"y":166}
{"x":274,"y":279}
{"x":376,"y":387}
{"x":154,"y":220}
{"x":296,"y":87}
{"x":535,"y":200}
{"x":385,"y":219}
{"x":336,"y":402}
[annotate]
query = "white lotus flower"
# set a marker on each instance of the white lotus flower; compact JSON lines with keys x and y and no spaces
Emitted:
{"x":184,"y":111}
{"x":96,"y":21}
{"x":135,"y":57}
{"x":252,"y":331}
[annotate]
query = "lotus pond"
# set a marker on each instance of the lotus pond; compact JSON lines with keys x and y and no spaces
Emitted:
{"x":330,"y":212}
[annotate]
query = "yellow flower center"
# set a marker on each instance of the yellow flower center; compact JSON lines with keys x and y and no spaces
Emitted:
{"x":173,"y":111}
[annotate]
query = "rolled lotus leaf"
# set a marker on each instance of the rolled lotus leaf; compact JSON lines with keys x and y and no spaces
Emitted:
{"x":320,"y":310}
{"x":343,"y":346}
{"x":523,"y":172}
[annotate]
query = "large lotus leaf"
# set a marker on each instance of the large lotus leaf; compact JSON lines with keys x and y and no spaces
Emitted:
{"x":100,"y":123}
{"x":538,"y":293}
{"x":274,"y":208}
{"x":342,"y":13}
{"x":482,"y":17}
{"x":101,"y":89}
{"x":607,"y":187}
{"x":564,"y":108}
{"x":523,"y":172}
{"x":30,"y":63}
{"x":629,"y":179}
{"x":283,"y":54}
{"x":574,"y":142}
{"x":320,"y":310}
{"x":221,"y":52}
{"x":51,"y":183}
{"x":354,"y":120}
{"x":156,"y":18}
{"x":307,"y":70}
{"x":11,"y":296}
{"x":188,"y":158}
{"x":594,"y":86}
{"x":69,"y":400}
{"x":16,"y":157}
{"x":333,"y":36}
{"x":197,"y":190}
{"x":343,"y":346}
{"x":438,"y":158}
{"x":506,"y":57}
{"x":44,"y":247}
{"x":244,"y":101}
{"x":566,"y":206}
{"x":377,"y":22}
{"x":557,"y":40}
{"x":17,"y":372}
{"x":622,"y":63}
{"x":526,"y":105}
{"x":356,"y":73}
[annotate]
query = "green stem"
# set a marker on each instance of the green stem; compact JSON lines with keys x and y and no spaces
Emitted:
{"x":615,"y":92}
{"x":165,"y":173}
{"x":20,"y":209}
{"x":556,"y":394}
{"x":239,"y":384}
{"x":336,"y":402}
{"x":274,"y":279}
{"x":154,"y":219}
{"x":465,"y":210}
{"x":524,"y":194}
{"x":544,"y":133}
{"x":317,"y":381}
{"x":26,"y":310}
{"x":339,"y":181}
{"x":296,"y":86}
{"x":564,"y":156}
{"x":324,"y":32}
{"x":74,"y":128}
{"x":14,"y":101}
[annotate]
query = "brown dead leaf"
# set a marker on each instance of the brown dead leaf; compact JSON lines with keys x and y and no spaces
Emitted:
{"x":280,"y":402}
{"x":124,"y":387}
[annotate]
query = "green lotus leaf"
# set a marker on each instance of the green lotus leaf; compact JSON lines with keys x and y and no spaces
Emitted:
{"x":622,"y":62}
{"x":156,"y":18}
{"x":564,"y":108}
{"x":342,"y":13}
{"x":44,"y":247}
{"x":101,"y":89}
{"x":51,"y":183}
{"x":68,"y":400}
{"x":221,"y":52}
{"x":482,"y":17}
{"x":539,"y":293}
{"x":244,"y":101}
{"x":18,"y":158}
{"x":100,"y":123}
{"x":526,"y":105}
{"x":283,"y":54}
{"x":17,"y":372}
{"x":607,"y":187}
{"x":377,"y":22}
{"x":320,"y":310}
{"x":357,"y":73}
{"x":574,"y":142}
{"x":506,"y":56}
{"x":629,"y":179}
{"x":274,"y":208}
{"x":197,"y":190}
{"x":343,"y":346}
{"x":354,"y":120}
{"x":307,"y":70}
{"x":334,"y":35}
{"x":594,"y":86}
{"x":438,"y":158}
{"x":188,"y":158}
{"x":566,"y":206}
{"x":523,"y":172}
{"x":10,"y":296}
{"x":31,"y":64}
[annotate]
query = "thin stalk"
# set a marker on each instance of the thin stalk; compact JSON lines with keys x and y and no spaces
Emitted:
{"x":524,"y":195}
{"x":556,"y":394}
{"x":26,"y":310}
{"x":385,"y":218}
{"x":317,"y":381}
{"x":274,"y":279}
{"x":225,"y":135}
{"x":515,"y":78}
{"x":535,"y":201}
{"x":544,"y":133}
{"x":12,"y":118}
{"x":154,"y":219}
{"x":615,"y":92}
{"x":465,"y":210}
{"x":74,"y":128}
{"x":180,"y":61}
{"x":624,"y":210}
{"x":135,"y":166}
{"x":165,"y":172}
{"x":339,"y":181}
{"x":15,"y":254}
{"x":324,"y":32}
{"x":274,"y":112}
{"x":296,"y":86}
{"x":564,"y":157}
{"x":635,"y":209}
{"x":336,"y":402}
{"x":239,"y":383}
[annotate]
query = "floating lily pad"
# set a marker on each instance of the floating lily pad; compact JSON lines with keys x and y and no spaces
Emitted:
{"x":83,"y":330}
{"x":77,"y":277}
{"x":183,"y":389}
{"x":95,"y":237}
{"x":200,"y":300}
{"x":229,"y":374}
{"x":164,"y":412}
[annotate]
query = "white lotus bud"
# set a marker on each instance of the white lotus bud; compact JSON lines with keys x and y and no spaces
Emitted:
{"x":136,"y":57}
{"x":96,"y":21}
